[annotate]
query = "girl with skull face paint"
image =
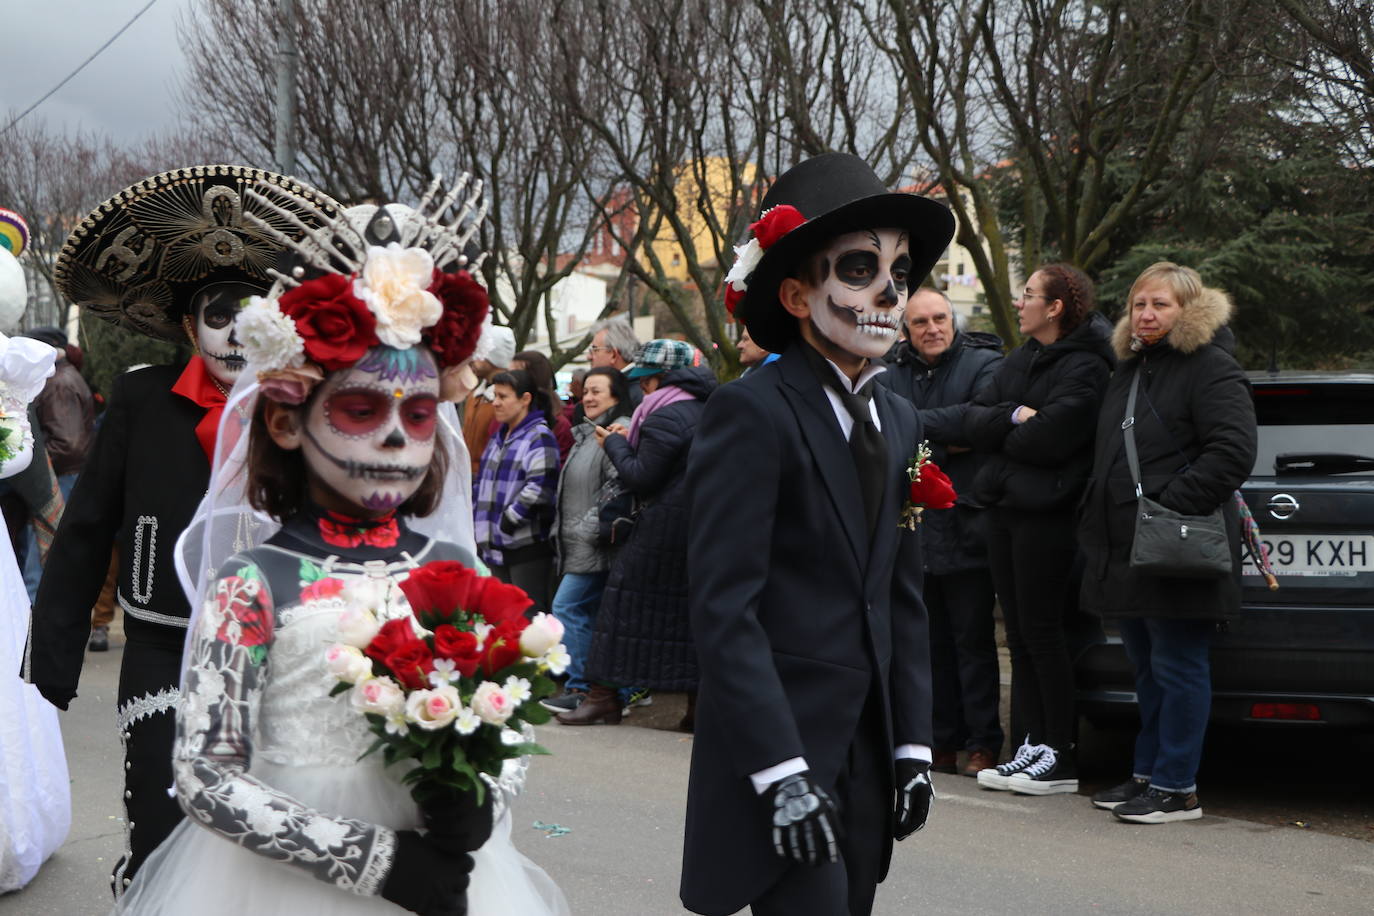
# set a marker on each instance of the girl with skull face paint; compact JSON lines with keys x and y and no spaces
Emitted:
{"x":347,"y":448}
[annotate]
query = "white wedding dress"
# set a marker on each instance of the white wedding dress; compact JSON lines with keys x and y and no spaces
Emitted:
{"x":284,"y":819}
{"x":35,"y":793}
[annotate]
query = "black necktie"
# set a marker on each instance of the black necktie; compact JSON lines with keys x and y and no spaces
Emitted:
{"x":866,"y":443}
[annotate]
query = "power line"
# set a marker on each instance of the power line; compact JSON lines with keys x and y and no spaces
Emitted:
{"x":69,"y":76}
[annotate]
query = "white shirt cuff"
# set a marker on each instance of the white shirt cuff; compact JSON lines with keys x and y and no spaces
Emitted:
{"x":918,"y":751}
{"x":765,"y":778}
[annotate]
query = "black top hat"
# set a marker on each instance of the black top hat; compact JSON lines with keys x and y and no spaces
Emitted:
{"x":140,"y":257}
{"x":837,"y":193}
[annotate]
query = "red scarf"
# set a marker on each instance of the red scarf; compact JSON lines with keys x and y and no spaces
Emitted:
{"x":197,"y":385}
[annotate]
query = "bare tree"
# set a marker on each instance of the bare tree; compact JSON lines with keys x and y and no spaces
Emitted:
{"x":1336,"y":61}
{"x":393,"y":93}
{"x":1096,"y":111}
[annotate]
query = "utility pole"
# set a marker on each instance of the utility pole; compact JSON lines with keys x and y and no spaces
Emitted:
{"x":287,"y":59}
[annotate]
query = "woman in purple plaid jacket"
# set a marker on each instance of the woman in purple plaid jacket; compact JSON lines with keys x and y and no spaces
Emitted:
{"x":517,"y":480}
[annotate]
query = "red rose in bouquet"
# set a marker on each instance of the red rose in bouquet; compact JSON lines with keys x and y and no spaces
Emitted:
{"x":458,"y":646}
{"x":454,"y":336}
{"x":337,"y":326}
{"x":392,"y":635}
{"x":503,"y":646}
{"x":437,"y":590}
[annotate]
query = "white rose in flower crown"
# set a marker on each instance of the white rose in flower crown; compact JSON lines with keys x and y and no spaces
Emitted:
{"x":270,"y":340}
{"x":378,"y":695}
{"x":357,"y":625}
{"x":395,"y":286}
{"x":433,"y":709}
{"x":543,"y":633}
{"x":347,"y":663}
{"x":492,"y":704}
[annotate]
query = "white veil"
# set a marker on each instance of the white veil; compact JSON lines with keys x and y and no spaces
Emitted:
{"x":225,"y":524}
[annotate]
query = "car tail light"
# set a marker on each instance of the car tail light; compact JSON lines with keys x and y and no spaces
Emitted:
{"x":1307,"y":712}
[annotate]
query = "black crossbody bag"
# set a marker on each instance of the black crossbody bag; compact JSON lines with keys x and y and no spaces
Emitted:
{"x":1169,"y":543}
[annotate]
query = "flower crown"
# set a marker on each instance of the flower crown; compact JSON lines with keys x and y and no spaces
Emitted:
{"x":773,"y":224}
{"x":367,"y":294}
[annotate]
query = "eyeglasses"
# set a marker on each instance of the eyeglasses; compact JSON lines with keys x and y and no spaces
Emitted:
{"x":595,"y":349}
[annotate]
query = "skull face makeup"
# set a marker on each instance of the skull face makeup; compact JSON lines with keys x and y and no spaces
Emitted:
{"x":216,"y":308}
{"x":369,"y":430}
{"x":858,"y":290}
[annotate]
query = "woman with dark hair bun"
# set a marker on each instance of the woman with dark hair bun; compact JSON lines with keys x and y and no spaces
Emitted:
{"x":513,"y":495}
{"x":1035,"y":422}
{"x":541,"y":370}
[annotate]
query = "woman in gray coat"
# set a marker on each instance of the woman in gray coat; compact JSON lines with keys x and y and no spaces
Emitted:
{"x":582,"y":559}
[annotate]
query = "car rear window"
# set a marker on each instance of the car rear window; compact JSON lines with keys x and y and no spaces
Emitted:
{"x":1302,"y":419}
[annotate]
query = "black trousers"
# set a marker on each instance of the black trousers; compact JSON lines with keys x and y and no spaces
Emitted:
{"x":865,"y":797}
{"x":1032,"y":558}
{"x":963,"y":661}
{"x":531,"y":569}
{"x":148,"y":692}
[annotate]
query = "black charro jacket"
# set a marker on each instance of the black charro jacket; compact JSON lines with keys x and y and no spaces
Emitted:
{"x":799,"y":615}
{"x":1195,"y":435}
{"x":142,"y":483}
{"x":1043,"y":463}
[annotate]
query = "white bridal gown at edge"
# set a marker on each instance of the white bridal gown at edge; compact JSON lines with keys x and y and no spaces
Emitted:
{"x":306,"y":746}
{"x":35,"y":793}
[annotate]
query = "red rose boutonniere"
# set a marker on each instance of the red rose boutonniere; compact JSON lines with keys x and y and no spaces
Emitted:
{"x":930,"y":488}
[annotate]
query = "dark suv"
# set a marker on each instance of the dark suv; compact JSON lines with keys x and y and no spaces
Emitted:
{"x":1304,"y":653}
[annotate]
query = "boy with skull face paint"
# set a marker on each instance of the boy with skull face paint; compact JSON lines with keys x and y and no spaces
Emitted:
{"x":813,"y":723}
{"x":173,"y":258}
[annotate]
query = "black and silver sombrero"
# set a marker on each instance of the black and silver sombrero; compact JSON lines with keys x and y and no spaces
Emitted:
{"x":140,"y":257}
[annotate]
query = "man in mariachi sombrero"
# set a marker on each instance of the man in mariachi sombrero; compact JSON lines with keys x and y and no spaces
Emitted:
{"x":172,"y":257}
{"x":813,"y":730}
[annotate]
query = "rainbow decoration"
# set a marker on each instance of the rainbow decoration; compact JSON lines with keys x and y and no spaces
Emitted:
{"x":14,"y":232}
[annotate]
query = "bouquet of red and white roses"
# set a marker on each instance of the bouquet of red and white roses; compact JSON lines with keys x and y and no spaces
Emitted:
{"x":451,"y":684}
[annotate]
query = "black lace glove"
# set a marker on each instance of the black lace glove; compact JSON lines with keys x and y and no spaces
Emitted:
{"x":426,"y":880}
{"x":914,"y":795}
{"x":805,"y":827}
{"x":458,"y":825}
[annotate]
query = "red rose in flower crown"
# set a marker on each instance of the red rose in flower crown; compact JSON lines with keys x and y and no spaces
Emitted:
{"x":771,"y":226}
{"x":336,"y":326}
{"x":454,"y":336}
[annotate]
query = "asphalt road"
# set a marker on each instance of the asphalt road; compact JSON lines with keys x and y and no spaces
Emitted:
{"x":619,"y":791}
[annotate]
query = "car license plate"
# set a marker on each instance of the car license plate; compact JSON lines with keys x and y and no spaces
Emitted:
{"x":1316,"y":555}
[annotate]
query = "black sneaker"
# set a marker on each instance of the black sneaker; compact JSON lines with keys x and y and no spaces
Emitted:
{"x":1155,"y":806}
{"x":996,"y":777}
{"x":1108,"y":799}
{"x":1055,"y":773}
{"x":564,"y":702}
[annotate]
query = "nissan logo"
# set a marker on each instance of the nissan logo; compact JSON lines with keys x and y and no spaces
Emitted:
{"x":1282,"y":506}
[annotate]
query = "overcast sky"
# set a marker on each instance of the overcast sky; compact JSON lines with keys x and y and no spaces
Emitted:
{"x":126,"y":92}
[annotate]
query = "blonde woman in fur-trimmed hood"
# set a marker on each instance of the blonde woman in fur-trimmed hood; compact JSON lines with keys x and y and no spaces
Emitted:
{"x":1195,"y":432}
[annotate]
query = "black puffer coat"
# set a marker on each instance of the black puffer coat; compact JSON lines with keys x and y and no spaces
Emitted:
{"x":952,"y":539}
{"x":1043,"y":463}
{"x":1195,"y":434}
{"x":643,"y":637}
